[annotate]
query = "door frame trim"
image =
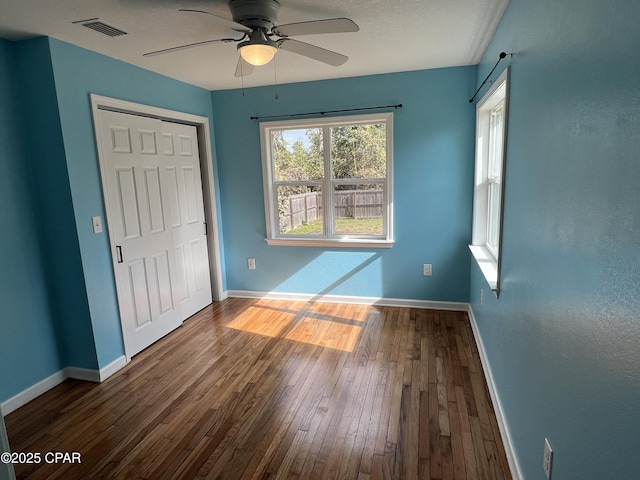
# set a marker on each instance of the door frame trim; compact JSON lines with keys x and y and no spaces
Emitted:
{"x":99,"y":102}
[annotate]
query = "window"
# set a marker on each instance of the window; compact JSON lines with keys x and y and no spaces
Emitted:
{"x":491,"y":122}
{"x":328,"y":181}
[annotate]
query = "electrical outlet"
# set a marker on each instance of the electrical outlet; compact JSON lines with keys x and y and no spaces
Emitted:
{"x":251,"y":263}
{"x":426,"y":269}
{"x":548,"y":458}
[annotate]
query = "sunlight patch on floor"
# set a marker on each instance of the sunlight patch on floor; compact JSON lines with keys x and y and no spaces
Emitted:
{"x":262,"y":322}
{"x":325,"y":333}
{"x":320,"y":325}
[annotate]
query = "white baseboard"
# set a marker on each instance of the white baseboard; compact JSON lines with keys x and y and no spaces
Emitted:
{"x":384,"y":302}
{"x":86,"y":374}
{"x":512,"y":458}
{"x":112,"y":368}
{"x":97,"y":376}
{"x":32,"y":392}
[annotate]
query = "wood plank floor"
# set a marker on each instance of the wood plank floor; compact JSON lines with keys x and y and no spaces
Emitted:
{"x":255,"y":389}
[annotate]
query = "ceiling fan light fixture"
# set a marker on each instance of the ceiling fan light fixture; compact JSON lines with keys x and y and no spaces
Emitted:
{"x":258,"y":50}
{"x":257,"y":54}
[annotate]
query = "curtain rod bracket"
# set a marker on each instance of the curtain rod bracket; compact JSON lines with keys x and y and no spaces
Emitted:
{"x":500,"y":58}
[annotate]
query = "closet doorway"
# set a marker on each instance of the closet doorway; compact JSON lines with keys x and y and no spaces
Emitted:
{"x":157,"y":185}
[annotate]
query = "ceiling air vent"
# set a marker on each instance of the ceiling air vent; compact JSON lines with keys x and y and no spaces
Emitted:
{"x":98,"y":26}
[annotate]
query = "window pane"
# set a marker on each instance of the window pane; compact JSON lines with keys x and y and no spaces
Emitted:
{"x":359,"y":210}
{"x":359,"y":151}
{"x":496,"y":141}
{"x":493,"y":223}
{"x":300,"y":210}
{"x":306,"y":162}
{"x":297,"y":154}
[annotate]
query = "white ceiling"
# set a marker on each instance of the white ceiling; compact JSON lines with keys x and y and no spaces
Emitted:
{"x":394,"y":36}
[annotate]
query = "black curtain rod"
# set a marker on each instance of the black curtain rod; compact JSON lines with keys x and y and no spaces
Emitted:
{"x":399,"y":105}
{"x":502,"y":55}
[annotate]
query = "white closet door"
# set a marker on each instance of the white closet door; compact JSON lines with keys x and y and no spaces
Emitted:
{"x":141,"y":198}
{"x":186,"y":217}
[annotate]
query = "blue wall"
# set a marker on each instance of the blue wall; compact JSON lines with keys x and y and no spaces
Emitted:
{"x":57,"y":287}
{"x":563,"y":338}
{"x":78,"y":73}
{"x":433,"y":168}
{"x":59,"y":305}
{"x":58,"y":238}
{"x":28,"y":343}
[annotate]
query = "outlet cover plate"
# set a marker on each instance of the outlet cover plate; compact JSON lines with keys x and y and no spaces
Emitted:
{"x":426,"y":270}
{"x":97,"y":224}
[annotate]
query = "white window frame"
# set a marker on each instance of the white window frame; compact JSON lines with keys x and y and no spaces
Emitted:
{"x":491,"y":149}
{"x":329,"y":238}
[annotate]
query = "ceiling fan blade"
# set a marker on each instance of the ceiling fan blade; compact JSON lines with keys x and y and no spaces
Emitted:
{"x":330,"y":25}
{"x":224,"y":21}
{"x":243,"y":68}
{"x":311,"y":51}
{"x":184,"y":47}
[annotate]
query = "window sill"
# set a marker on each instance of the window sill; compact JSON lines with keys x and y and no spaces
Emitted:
{"x":488,"y":265}
{"x":323,"y":242}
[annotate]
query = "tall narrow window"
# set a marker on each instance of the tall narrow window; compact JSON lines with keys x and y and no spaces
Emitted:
{"x":328,"y":181}
{"x":491,"y":122}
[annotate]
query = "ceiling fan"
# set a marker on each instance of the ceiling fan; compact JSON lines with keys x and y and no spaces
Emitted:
{"x":262,"y":38}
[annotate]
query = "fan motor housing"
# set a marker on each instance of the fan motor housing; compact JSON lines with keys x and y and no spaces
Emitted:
{"x":255,"y":13}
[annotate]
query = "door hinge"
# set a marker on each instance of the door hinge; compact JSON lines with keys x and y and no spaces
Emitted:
{"x":205,"y":228}
{"x":119,"y":253}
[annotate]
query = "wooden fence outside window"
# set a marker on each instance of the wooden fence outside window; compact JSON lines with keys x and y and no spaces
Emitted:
{"x":307,"y":207}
